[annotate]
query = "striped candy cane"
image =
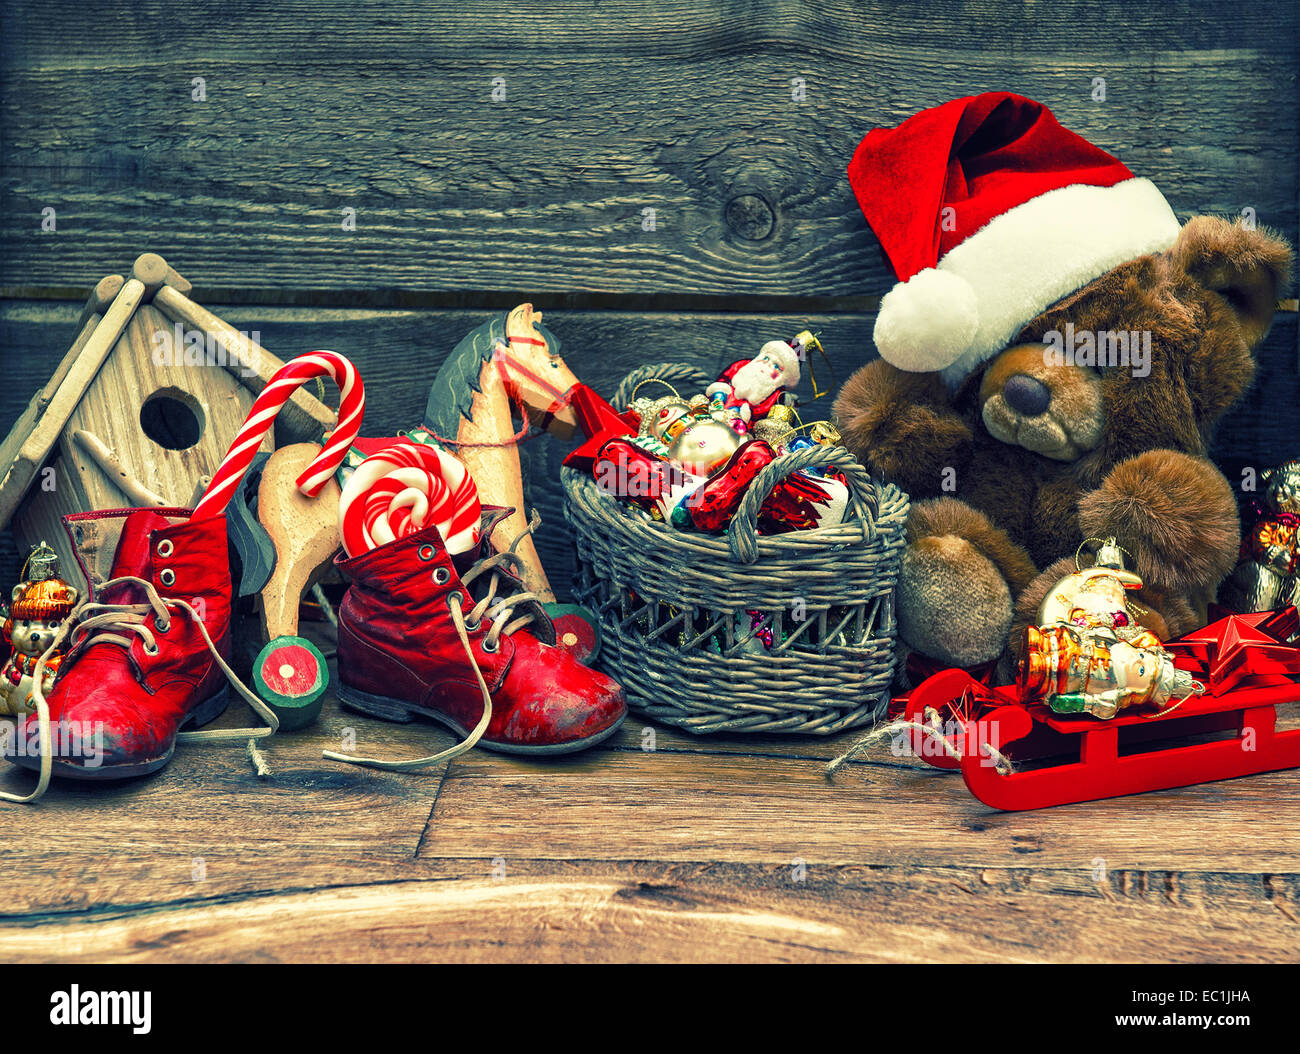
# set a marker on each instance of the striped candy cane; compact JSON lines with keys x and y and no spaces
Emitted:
{"x":404,"y":488}
{"x":285,"y":381}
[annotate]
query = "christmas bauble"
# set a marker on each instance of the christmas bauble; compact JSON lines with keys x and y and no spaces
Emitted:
{"x":703,"y":446}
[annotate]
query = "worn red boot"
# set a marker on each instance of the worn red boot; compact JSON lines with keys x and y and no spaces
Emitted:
{"x":472,"y":651}
{"x":147,"y":649}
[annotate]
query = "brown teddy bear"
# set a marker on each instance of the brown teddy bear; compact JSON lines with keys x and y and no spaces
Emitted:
{"x":1054,"y":361}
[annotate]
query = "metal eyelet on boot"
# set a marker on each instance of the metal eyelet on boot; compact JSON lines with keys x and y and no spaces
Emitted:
{"x":441,"y":576}
{"x":162,"y":627}
{"x":148,"y":650}
{"x":166,"y":548}
{"x":426,"y":552}
{"x":167,"y":576}
{"x":493,"y":649}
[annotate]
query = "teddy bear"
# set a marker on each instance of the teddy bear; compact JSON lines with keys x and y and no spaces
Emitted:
{"x":1053,"y":363}
{"x":40,"y":607}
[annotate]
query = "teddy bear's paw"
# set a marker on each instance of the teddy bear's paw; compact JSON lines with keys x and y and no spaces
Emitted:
{"x":954,"y":605}
{"x":922,"y":447}
{"x":900,"y":426}
{"x":1175,"y":513}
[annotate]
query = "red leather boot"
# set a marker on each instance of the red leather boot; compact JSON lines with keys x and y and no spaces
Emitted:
{"x":472,"y":651}
{"x":147,"y":652}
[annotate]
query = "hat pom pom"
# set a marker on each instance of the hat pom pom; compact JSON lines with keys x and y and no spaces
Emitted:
{"x":927,"y":322}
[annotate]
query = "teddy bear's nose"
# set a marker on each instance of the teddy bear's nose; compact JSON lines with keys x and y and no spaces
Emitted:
{"x":1026,"y":395}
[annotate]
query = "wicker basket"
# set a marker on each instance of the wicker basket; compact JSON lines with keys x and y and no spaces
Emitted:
{"x":681,"y":613}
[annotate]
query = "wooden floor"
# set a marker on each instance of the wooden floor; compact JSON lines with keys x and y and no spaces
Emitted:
{"x":658,"y":847}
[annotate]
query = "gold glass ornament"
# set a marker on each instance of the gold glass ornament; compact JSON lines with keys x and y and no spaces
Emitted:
{"x":1095,"y":598}
{"x":704,"y":446}
{"x":825,"y":433}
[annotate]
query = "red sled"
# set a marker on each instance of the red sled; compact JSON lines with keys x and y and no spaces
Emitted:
{"x":1058,"y":759}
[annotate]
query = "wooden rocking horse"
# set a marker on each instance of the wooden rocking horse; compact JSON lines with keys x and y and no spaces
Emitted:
{"x":509,"y":361}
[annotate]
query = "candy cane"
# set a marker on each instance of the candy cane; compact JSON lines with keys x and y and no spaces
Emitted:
{"x":278,"y":390}
{"x":404,"y":488}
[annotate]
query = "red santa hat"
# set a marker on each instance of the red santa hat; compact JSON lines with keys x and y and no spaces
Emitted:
{"x":990,"y":212}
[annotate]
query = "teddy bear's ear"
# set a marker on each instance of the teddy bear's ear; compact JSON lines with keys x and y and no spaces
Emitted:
{"x":1247,"y":268}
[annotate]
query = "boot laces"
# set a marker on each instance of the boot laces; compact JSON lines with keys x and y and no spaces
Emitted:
{"x":93,"y":622}
{"x":500,"y":610}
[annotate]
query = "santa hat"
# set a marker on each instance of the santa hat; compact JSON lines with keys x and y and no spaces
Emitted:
{"x":990,"y":212}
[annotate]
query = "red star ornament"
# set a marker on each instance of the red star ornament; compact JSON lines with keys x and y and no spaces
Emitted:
{"x":1242,"y":646}
{"x":599,"y":422}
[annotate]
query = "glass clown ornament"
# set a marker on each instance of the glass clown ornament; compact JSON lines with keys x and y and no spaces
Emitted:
{"x":1078,"y":672}
{"x":664,"y":419}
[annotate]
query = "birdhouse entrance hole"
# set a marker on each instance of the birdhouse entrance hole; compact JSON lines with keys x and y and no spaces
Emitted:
{"x":172,"y":418}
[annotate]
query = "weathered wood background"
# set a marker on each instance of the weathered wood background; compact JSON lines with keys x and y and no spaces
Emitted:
{"x":464,"y":204}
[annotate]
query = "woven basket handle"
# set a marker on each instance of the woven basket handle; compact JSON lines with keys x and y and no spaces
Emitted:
{"x":742,"y":535}
{"x":685,"y":378}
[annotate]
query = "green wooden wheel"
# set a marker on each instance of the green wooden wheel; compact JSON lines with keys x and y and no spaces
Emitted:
{"x":291,"y":676}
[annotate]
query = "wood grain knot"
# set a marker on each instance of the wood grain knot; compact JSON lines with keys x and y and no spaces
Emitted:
{"x":750,"y":216}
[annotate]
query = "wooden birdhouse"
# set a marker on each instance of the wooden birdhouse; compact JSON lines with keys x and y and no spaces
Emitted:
{"x":140,"y":411}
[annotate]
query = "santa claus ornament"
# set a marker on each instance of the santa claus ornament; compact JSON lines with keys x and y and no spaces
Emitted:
{"x":750,"y":389}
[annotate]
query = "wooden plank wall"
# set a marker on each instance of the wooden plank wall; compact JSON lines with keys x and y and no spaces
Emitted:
{"x":466,"y":203}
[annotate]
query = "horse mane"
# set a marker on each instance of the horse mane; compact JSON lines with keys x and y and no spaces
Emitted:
{"x":451,"y":396}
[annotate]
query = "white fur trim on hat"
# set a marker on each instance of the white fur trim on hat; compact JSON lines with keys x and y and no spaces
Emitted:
{"x":1016,"y":266}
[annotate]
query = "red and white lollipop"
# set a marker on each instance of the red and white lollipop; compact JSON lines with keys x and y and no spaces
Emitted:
{"x":403,"y":489}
